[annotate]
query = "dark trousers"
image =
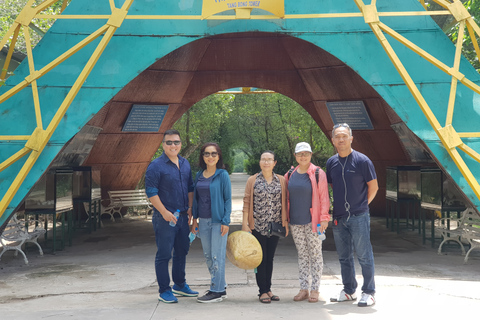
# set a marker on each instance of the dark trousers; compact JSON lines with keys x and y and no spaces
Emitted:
{"x":170,"y":238}
{"x":265,"y":269}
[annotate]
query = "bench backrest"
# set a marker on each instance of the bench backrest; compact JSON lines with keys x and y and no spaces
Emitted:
{"x":129,"y":197}
{"x":471,"y":224}
{"x":13,"y":232}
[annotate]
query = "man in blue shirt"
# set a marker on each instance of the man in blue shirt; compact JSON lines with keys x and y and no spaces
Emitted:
{"x":169,"y":186}
{"x":354,"y":184}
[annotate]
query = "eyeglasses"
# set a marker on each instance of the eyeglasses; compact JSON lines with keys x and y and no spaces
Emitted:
{"x":267,"y":160}
{"x":208,"y":154}
{"x":176,"y":142}
{"x":303,"y":154}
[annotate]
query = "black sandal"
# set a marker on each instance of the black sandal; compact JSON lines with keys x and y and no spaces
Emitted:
{"x":275,"y":298}
{"x":265,"y":300}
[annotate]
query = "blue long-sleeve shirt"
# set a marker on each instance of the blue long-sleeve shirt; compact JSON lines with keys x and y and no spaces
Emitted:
{"x":171,"y":184}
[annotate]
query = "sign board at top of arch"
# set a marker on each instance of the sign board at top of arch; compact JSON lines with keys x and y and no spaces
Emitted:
{"x":211,"y":7}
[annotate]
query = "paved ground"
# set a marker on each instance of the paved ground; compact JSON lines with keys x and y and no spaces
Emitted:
{"x":109,"y":274}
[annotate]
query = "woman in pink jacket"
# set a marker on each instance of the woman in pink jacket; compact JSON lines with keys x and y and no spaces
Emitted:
{"x":308,"y":205}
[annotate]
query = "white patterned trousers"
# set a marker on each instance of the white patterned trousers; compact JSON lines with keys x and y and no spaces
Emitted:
{"x":310,"y":257}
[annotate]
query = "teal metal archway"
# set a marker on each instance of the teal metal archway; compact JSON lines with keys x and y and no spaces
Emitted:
{"x":86,"y":58}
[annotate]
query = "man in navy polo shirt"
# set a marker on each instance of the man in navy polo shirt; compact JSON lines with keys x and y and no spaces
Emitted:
{"x":354,"y":183}
{"x":169,"y":186}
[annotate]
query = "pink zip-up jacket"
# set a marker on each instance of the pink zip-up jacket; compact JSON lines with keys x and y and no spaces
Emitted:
{"x":320,"y":197}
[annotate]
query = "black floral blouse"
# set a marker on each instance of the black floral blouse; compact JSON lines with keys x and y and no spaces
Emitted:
{"x":267,"y":203}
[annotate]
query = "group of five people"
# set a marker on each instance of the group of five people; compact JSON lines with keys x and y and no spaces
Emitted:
{"x":299,"y":201}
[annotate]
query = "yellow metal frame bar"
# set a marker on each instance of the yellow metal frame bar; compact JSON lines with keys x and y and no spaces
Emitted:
{"x":35,"y":143}
{"x":449,"y":137}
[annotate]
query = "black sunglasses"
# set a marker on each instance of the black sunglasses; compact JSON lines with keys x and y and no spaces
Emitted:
{"x":176,"y":142}
{"x":208,"y":154}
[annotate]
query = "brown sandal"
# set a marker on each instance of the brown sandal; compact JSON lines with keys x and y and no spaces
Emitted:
{"x":313,"y":296}
{"x":301,"y":295}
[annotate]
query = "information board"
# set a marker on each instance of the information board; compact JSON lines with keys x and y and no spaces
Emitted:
{"x":352,"y":113}
{"x":145,"y":118}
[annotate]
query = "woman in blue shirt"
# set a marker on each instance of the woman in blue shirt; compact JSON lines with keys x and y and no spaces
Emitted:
{"x":212,"y":205}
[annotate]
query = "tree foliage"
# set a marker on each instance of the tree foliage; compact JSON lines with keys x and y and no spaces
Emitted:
{"x":251,"y":123}
{"x":451,"y":28}
{"x":275,"y":122}
{"x":9,"y":10}
{"x":203,"y":123}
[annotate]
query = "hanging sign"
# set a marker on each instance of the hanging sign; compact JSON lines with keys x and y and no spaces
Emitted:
{"x":211,"y":7}
{"x":352,"y":113}
{"x":145,"y":118}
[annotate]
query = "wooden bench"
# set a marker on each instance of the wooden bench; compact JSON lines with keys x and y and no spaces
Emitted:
{"x":463,"y":230}
{"x":16,"y":234}
{"x":127,"y":198}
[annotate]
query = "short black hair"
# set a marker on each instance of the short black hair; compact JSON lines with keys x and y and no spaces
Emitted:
{"x":170,"y":132}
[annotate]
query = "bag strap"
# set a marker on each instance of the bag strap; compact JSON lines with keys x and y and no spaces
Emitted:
{"x":290,"y":173}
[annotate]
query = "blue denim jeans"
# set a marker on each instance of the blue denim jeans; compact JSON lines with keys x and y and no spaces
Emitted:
{"x":215,"y":250}
{"x":353,"y":235}
{"x":170,"y":238}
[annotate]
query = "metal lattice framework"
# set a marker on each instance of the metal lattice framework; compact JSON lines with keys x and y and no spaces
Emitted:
{"x":36,"y":142}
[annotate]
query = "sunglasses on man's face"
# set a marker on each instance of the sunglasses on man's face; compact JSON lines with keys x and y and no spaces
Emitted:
{"x":176,"y":142}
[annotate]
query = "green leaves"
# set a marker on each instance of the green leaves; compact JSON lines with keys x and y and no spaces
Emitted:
{"x":251,"y":124}
{"x":450,"y":27}
{"x":9,"y":11}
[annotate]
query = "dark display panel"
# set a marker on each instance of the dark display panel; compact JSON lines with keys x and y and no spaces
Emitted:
{"x":86,"y":183}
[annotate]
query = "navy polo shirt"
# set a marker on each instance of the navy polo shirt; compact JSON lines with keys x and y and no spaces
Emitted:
{"x":351,"y":174}
{"x":171,"y":184}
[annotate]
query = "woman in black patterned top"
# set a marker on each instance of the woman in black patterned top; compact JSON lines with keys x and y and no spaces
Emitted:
{"x":264,"y":202}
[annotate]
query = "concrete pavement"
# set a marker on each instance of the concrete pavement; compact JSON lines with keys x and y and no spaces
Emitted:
{"x":109,"y":274}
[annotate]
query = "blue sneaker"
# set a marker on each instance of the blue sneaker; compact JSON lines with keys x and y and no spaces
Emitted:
{"x":167,"y":297}
{"x":185,"y":291}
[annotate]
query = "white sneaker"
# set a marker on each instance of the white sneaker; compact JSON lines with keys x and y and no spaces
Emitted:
{"x":366,"y":300}
{"x":343,"y":296}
